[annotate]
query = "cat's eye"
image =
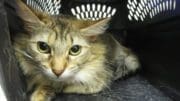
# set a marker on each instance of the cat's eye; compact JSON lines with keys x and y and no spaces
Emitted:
{"x":75,"y":50}
{"x":43,"y":47}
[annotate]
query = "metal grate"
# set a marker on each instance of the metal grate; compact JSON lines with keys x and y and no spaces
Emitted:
{"x":48,"y":6}
{"x":148,"y":8}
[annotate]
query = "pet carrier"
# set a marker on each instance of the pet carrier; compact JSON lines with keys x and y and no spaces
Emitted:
{"x":151,"y":28}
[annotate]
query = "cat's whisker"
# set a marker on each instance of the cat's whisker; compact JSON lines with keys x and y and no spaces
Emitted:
{"x":36,"y":66}
{"x":38,"y":70}
{"x":74,"y":69}
{"x":108,"y":62}
{"x":24,"y":53}
{"x":40,"y":67}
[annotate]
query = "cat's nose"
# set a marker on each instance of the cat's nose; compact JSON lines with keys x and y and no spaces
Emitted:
{"x":57,"y":72}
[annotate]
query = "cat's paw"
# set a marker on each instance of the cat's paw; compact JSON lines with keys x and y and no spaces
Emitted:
{"x":132,"y":62}
{"x":40,"y":97}
{"x":42,"y":94}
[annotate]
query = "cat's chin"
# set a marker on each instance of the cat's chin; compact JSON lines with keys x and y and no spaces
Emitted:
{"x":61,"y":79}
{"x":65,"y":77}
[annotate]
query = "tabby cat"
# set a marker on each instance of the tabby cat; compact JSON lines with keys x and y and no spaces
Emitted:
{"x":63,"y":54}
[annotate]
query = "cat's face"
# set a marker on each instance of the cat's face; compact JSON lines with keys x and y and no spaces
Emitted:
{"x":58,"y":47}
{"x":60,"y":53}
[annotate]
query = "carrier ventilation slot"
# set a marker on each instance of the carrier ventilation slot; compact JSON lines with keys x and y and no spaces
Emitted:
{"x":93,"y":11}
{"x":49,"y":6}
{"x":148,"y":8}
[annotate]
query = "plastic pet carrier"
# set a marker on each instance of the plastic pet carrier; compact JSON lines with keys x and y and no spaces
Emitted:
{"x":151,"y":28}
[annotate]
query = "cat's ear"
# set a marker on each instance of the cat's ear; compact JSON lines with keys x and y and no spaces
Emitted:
{"x":27,"y":14}
{"x":95,"y":28}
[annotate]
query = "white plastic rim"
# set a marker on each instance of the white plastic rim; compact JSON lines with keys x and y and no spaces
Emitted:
{"x":2,"y":94}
